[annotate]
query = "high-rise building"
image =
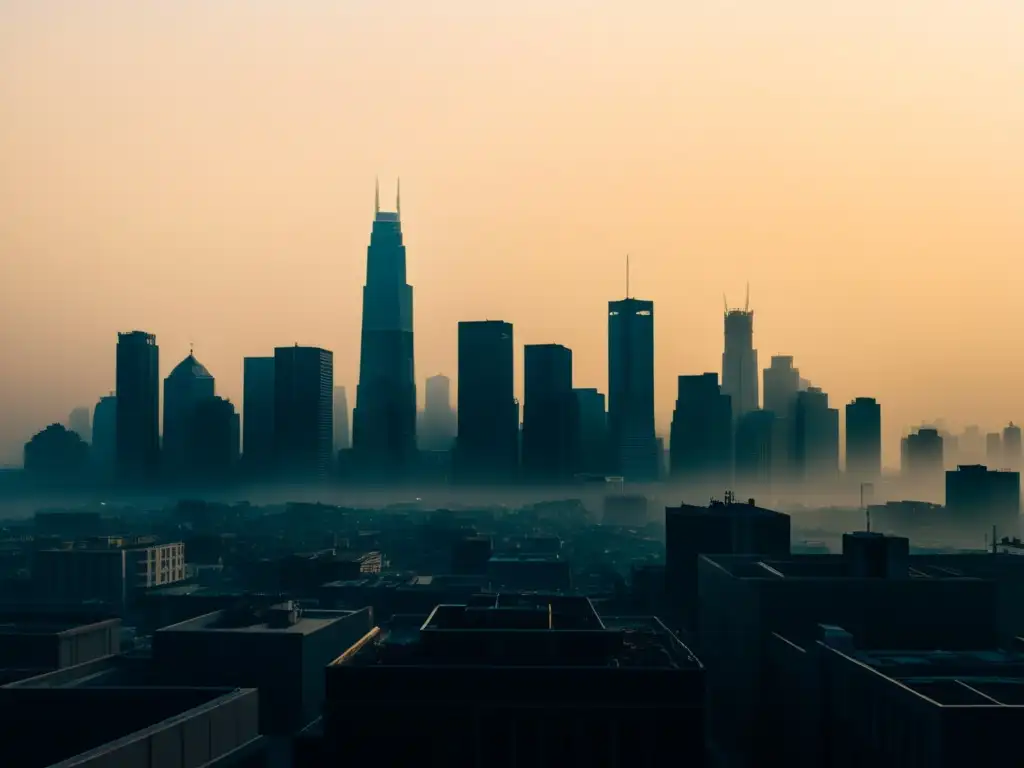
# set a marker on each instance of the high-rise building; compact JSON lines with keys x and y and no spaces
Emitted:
{"x":782,"y":382}
{"x":104,"y":435}
{"x":303,"y":411}
{"x":817,"y":436}
{"x":342,"y":436}
{"x":548,"y":412}
{"x":384,"y":421}
{"x":138,"y":406}
{"x":978,"y":498}
{"x":631,"y":389}
{"x":78,"y":422}
{"x":739,"y":362}
{"x":592,"y":433}
{"x":258,"y":413}
{"x":1011,"y":446}
{"x":438,"y":425}
{"x":994,"y":449}
{"x":487,"y":442}
{"x":864,"y":438}
{"x":921,"y":454}
{"x":755,"y":448}
{"x":186,"y":386}
{"x":213,"y":437}
{"x":700,"y":444}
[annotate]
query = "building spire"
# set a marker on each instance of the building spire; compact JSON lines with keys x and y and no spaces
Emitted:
{"x":376,"y":195}
{"x":398,"y":198}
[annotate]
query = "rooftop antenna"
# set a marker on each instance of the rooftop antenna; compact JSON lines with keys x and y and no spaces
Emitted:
{"x":627,"y":275}
{"x":376,"y":195}
{"x":398,"y":198}
{"x":725,"y":301}
{"x":746,"y":307}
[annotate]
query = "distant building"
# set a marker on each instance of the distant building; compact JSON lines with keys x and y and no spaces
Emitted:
{"x":487,"y":442}
{"x":33,"y":643}
{"x":186,"y":385}
{"x":342,"y":435}
{"x":138,"y":406}
{"x":781,"y":385}
{"x":548,"y":411}
{"x":104,"y":436}
{"x":979,"y":498}
{"x":214,"y":439}
{"x":700,"y":445}
{"x":303,"y":411}
{"x":631,"y":389}
{"x":816,"y":425}
{"x":756,"y":444}
{"x":258,"y":413}
{"x":592,"y":432}
{"x":1012,"y":446}
{"x":922,"y":454}
{"x":739,"y":362}
{"x":994,"y":449}
{"x":56,"y":452}
{"x":438,"y":425}
{"x":78,"y":422}
{"x":864,"y":438}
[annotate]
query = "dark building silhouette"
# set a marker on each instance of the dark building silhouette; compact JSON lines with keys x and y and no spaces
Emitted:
{"x":78,"y":421}
{"x":56,"y":451}
{"x":781,"y":384}
{"x":184,"y":388}
{"x":864,"y":438}
{"x":700,"y":444}
{"x":104,"y":435}
{"x":755,"y":448}
{"x":994,"y":449}
{"x":739,"y":362}
{"x":303,"y":411}
{"x":384,"y":421}
{"x":214,"y":437}
{"x":342,"y":435}
{"x":817,"y":436}
{"x":438,"y":424}
{"x":592,"y":433}
{"x":138,"y":406}
{"x":258,"y":413}
{"x":921,"y":454}
{"x":631,"y":389}
{"x":978,"y":498}
{"x":548,"y":412}
{"x":487,"y":445}
{"x":1012,"y":446}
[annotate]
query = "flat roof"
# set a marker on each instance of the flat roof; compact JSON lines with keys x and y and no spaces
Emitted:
{"x":49,"y":625}
{"x":222,"y":621}
{"x":734,"y":509}
{"x":821,"y":566}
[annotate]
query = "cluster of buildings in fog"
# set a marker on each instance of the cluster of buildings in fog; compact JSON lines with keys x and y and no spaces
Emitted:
{"x":294,"y":423}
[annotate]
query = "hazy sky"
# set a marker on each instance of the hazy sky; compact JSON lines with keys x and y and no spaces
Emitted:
{"x":203,"y":170}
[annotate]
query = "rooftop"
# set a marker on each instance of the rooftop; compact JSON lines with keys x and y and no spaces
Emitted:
{"x":15,"y":624}
{"x":733,"y":508}
{"x":283,"y":618}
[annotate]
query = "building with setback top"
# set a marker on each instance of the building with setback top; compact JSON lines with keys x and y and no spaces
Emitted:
{"x":739,"y":362}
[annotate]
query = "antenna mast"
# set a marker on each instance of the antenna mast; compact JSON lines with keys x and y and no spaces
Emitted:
{"x":627,"y":275}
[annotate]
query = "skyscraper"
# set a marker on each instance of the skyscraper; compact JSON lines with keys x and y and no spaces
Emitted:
{"x":700,"y":444}
{"x":104,"y":435}
{"x":921,"y":454}
{"x":631,"y":388}
{"x":817,"y":436}
{"x":782,"y":382}
{"x":754,"y":448}
{"x":864,"y":439}
{"x":438,"y":426}
{"x":592,"y":433}
{"x":213,"y":438}
{"x":739,"y":361}
{"x":994,"y":450}
{"x":258,"y":414}
{"x":548,"y":412}
{"x":138,"y":406}
{"x":384,"y":421}
{"x":78,"y":422}
{"x":303,"y":411}
{"x":1012,"y":446}
{"x":342,"y":436}
{"x":184,"y":388}
{"x":487,"y":442}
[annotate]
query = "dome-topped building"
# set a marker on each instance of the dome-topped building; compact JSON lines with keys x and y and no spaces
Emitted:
{"x":184,"y":388}
{"x":190,"y":367}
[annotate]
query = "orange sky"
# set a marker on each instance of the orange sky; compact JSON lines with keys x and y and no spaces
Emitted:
{"x":204,"y":170}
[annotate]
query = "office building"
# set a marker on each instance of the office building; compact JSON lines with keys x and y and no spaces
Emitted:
{"x":921,"y":454}
{"x":78,"y":422}
{"x":816,"y":454}
{"x":438,"y":425}
{"x":994,"y":449}
{"x":755,"y":446}
{"x":138,"y":406}
{"x":384,"y":421}
{"x":592,"y":433}
{"x":724,"y":527}
{"x":1012,"y":447}
{"x":634,"y":451}
{"x":700,"y":445}
{"x":487,"y":443}
{"x":782,"y":382}
{"x":978,"y":499}
{"x":258,"y":413}
{"x":303,"y":411}
{"x":342,"y":434}
{"x":519,"y":681}
{"x":103,"y":450}
{"x":187,"y":385}
{"x":739,"y":362}
{"x":548,"y":412}
{"x":864,"y":439}
{"x":214,"y":439}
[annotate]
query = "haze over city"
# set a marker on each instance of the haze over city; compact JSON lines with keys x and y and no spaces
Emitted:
{"x":205,"y":171}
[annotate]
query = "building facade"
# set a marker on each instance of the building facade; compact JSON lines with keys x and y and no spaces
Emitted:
{"x":258,"y":413}
{"x":548,"y":412}
{"x":184,"y":388}
{"x":739,"y":362}
{"x":303,"y":412}
{"x":864,"y":438}
{"x":634,"y":450}
{"x":701,"y":444}
{"x":138,"y":406}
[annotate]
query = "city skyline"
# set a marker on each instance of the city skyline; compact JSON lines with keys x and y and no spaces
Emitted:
{"x":873,"y":254}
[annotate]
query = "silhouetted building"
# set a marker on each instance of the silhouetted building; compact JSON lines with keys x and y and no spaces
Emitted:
{"x":864,"y":438}
{"x":721,"y":528}
{"x":214,"y":439}
{"x":1012,"y":446}
{"x":548,"y":412}
{"x":781,"y":385}
{"x":755,"y":448}
{"x":56,"y":452}
{"x":592,"y":433}
{"x":104,"y":435}
{"x":438,"y":427}
{"x":518,"y":681}
{"x":922,"y":454}
{"x":487,"y":444}
{"x":817,"y":436}
{"x":700,"y":445}
{"x":994,"y":449}
{"x":342,"y":436}
{"x":187,"y":385}
{"x":631,"y":389}
{"x":138,"y":406}
{"x":258,"y":413}
{"x":303,"y":411}
{"x":35,"y":643}
{"x":384,"y":435}
{"x":739,"y":362}
{"x":78,"y":422}
{"x":978,"y":498}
